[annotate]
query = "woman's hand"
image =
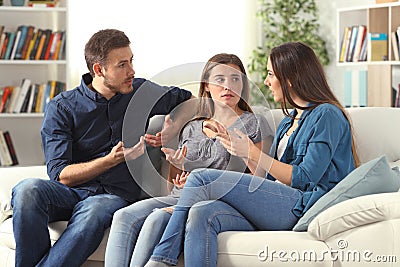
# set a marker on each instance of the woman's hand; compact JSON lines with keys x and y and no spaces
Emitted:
{"x":175,"y":157}
{"x":237,"y":143}
{"x":180,"y":179}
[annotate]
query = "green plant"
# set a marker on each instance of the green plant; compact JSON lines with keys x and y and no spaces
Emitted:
{"x":284,"y":21}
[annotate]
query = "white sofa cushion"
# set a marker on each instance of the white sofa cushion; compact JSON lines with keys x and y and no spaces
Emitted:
{"x":10,"y":176}
{"x":373,"y":177}
{"x":355,"y":212}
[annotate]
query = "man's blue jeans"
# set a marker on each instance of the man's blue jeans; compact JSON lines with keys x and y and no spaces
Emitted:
{"x":245,"y":203}
{"x":136,"y":230}
{"x":36,"y":202}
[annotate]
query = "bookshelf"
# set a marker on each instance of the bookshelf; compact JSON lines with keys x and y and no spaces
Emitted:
{"x":24,"y":128}
{"x":378,"y":18}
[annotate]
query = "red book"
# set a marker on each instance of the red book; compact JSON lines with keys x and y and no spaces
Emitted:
{"x":5,"y":99}
{"x":11,"y":149}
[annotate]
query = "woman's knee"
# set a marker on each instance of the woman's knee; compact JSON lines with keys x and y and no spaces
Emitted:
{"x":158,"y":218}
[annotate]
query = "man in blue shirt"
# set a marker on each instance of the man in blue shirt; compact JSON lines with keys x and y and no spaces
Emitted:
{"x":86,"y":157}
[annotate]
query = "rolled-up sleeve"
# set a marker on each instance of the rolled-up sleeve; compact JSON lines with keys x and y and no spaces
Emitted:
{"x":57,"y":138}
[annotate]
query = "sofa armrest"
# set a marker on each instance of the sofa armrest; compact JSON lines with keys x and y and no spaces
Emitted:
{"x":9,"y":177}
{"x":355,"y":212}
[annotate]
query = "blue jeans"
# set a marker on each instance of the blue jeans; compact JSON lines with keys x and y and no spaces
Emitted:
{"x":246,"y":203}
{"x":36,"y":202}
{"x":136,"y":230}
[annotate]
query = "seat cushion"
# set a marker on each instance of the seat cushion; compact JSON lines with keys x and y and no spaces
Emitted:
{"x":55,"y":229}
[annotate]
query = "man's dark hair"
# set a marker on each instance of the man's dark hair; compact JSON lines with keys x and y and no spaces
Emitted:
{"x":100,"y":44}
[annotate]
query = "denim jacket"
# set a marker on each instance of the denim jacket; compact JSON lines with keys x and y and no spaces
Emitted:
{"x":320,"y":151}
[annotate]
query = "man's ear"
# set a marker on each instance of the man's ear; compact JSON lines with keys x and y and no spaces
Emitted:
{"x":98,"y":69}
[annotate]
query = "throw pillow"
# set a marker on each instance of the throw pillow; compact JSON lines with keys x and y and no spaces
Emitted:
{"x":355,"y":212}
{"x":372,"y":177}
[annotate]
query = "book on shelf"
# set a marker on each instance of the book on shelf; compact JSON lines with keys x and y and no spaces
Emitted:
{"x":395,"y":86}
{"x":353,"y":38}
{"x":362,"y":30}
{"x":395,"y":46}
{"x":355,"y":88}
{"x":42,"y":3}
{"x":345,"y":41}
{"x":378,"y":46}
{"x":5,"y":156}
{"x":24,"y":88}
{"x":10,"y":146}
{"x":5,"y":99}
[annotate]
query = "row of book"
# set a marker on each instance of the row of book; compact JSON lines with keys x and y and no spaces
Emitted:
{"x":354,"y":44}
{"x":31,"y":43}
{"x":8,"y":157}
{"x":355,"y":88}
{"x":359,"y":45}
{"x":29,"y":97}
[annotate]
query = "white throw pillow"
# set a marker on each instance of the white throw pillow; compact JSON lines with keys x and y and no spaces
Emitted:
{"x":355,"y":212}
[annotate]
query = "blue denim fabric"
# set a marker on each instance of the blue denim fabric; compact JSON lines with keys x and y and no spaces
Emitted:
{"x":127,"y":226}
{"x":37,"y":202}
{"x":266,"y":205}
{"x":205,"y":221}
{"x":319,"y":151}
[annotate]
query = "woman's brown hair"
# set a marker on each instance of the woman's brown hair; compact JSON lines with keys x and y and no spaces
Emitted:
{"x":297,"y":68}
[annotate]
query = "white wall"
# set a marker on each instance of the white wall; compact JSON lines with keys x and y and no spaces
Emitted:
{"x":165,"y":34}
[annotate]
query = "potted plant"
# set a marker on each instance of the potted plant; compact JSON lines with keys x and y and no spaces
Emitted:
{"x":284,"y":21}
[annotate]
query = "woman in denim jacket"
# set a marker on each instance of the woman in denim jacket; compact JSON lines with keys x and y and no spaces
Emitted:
{"x":313,"y":150}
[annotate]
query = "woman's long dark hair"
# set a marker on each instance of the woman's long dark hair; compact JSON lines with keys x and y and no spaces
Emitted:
{"x":298,"y":69}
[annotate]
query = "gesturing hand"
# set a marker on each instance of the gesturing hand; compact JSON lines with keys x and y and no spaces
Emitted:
{"x":131,"y":153}
{"x":163,"y":136}
{"x":180,"y":179}
{"x":215,"y":127}
{"x":175,"y":157}
{"x":237,"y":143}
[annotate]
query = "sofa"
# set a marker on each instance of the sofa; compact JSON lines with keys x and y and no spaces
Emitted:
{"x":369,"y":237}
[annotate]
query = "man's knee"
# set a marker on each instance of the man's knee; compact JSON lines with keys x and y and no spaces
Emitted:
{"x":27,"y":191}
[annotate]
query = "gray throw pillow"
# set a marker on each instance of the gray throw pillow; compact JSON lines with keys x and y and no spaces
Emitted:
{"x":372,"y":177}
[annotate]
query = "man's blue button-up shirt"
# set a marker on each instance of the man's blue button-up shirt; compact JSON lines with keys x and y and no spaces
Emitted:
{"x":80,"y":125}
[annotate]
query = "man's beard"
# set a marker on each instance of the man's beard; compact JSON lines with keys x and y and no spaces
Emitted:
{"x":116,"y":88}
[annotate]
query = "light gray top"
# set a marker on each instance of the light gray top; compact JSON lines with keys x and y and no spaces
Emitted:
{"x":205,"y":152}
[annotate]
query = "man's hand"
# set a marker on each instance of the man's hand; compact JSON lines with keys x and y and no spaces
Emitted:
{"x":162,"y":137}
{"x":134,"y":152}
{"x":175,"y":157}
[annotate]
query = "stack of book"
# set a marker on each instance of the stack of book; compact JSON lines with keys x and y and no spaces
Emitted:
{"x":354,"y":44}
{"x":31,"y":43}
{"x":29,"y":97}
{"x":8,"y":157}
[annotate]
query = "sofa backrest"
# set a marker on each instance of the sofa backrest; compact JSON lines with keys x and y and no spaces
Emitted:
{"x":377,"y":132}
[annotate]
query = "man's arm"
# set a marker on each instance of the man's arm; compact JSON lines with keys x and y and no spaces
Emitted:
{"x":80,"y":173}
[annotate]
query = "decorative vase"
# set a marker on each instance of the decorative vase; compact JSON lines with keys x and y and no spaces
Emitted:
{"x":17,"y":2}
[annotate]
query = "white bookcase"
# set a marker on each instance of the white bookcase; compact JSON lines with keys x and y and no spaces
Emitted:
{"x":383,"y":18}
{"x":24,"y":127}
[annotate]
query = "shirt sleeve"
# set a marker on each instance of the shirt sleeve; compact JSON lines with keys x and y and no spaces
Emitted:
{"x":165,"y":98}
{"x":314,"y":156}
{"x":56,"y":139}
